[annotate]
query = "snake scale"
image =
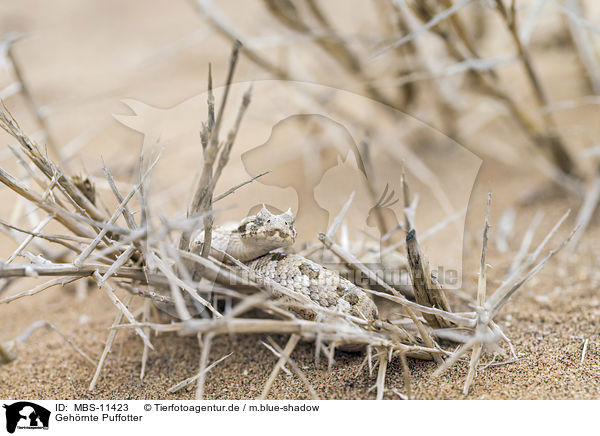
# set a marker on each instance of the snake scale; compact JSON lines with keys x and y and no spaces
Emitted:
{"x":252,"y":242}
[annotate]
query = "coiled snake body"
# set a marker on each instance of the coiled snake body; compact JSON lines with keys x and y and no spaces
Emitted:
{"x":252,"y":242}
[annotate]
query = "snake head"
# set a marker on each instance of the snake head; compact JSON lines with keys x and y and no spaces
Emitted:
{"x":268,"y":230}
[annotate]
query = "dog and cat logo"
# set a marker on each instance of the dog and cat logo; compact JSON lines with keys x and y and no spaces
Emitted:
{"x":26,"y":415}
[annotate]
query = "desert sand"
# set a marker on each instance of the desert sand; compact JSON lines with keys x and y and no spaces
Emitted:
{"x":83,"y":59}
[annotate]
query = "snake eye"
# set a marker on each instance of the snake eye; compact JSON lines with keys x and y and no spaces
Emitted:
{"x":268,"y":221}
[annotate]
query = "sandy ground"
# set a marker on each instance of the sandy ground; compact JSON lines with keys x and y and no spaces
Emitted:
{"x":548,"y":321}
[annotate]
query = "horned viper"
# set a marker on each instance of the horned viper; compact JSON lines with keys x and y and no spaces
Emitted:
{"x":252,"y":242}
